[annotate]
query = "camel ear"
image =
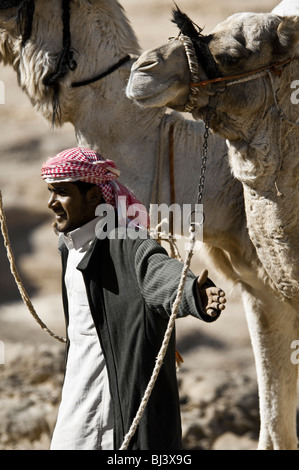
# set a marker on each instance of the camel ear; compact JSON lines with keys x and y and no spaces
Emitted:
{"x":287,"y":42}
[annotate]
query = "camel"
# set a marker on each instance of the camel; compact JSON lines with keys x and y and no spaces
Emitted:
{"x":138,"y":140}
{"x":252,"y":108}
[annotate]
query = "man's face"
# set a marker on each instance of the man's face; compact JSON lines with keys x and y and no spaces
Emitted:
{"x":72,"y":209}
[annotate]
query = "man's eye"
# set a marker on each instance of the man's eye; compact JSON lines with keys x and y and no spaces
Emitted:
{"x":61,"y":192}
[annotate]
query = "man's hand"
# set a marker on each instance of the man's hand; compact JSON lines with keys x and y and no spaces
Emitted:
{"x":212,"y":298}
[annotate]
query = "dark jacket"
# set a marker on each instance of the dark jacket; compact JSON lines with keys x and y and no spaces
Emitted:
{"x":131,"y":286}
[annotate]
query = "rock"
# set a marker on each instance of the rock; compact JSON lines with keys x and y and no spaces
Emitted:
{"x":30,"y":386}
{"x":216,"y":405}
{"x":229,"y":441}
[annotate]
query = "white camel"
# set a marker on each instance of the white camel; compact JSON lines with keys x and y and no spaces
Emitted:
{"x":138,"y":140}
{"x":258,"y":115}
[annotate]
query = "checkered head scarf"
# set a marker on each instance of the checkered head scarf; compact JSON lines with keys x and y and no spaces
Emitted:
{"x":82,"y":164}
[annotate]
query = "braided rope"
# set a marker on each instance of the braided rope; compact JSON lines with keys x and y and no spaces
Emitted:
{"x":16,"y":275}
{"x":194,"y":72}
{"x":193,"y":68}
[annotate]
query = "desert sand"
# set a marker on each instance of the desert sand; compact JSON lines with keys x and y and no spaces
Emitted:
{"x":217,"y":379}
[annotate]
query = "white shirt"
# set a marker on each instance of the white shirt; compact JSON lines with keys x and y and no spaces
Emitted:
{"x":85,"y":417}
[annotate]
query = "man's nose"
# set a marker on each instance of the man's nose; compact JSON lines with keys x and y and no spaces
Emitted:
{"x":52,"y":200}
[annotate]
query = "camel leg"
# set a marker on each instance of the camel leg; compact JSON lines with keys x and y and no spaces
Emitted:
{"x":273,"y":326}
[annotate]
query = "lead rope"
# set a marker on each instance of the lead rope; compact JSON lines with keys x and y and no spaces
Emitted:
{"x":171,"y":322}
{"x":17,"y":277}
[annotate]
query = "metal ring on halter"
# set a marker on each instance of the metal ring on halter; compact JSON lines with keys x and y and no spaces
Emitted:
{"x":196,"y":211}
{"x":194,"y":71}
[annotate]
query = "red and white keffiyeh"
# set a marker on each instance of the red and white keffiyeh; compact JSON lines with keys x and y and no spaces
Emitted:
{"x":82,"y":164}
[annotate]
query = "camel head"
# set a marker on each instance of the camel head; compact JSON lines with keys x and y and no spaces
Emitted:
{"x":241,"y":44}
{"x":31,"y":45}
{"x":50,"y":45}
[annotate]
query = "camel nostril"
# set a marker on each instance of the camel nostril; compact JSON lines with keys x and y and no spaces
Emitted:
{"x":148,"y":65}
{"x":144,"y":65}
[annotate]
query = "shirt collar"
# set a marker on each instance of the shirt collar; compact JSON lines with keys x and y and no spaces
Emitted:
{"x":81,"y":236}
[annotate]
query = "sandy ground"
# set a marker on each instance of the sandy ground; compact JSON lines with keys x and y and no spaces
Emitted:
{"x":26,"y":140}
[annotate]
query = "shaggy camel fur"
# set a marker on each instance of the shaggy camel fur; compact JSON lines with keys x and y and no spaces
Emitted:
{"x":137,"y":139}
{"x":258,"y":115}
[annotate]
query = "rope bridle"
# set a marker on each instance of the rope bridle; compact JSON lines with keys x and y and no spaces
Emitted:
{"x":65,"y":59}
{"x":194,"y":71}
{"x":196,"y":84}
{"x":246,"y":76}
{"x":103,"y":74}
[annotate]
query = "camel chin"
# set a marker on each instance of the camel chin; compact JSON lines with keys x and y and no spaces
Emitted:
{"x":148,"y":96}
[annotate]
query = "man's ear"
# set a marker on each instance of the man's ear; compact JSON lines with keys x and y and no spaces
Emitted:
{"x":287,"y":42}
{"x":94,"y":195}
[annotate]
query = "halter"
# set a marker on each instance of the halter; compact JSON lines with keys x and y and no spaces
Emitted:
{"x":246,"y":76}
{"x":65,"y":60}
{"x":196,"y":85}
{"x":233,"y":80}
{"x":103,"y":74}
{"x":194,"y":70}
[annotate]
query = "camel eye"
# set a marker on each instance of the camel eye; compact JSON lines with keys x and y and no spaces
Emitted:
{"x":227,"y":60}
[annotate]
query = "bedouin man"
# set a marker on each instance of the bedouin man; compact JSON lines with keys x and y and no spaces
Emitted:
{"x":118,"y":292}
